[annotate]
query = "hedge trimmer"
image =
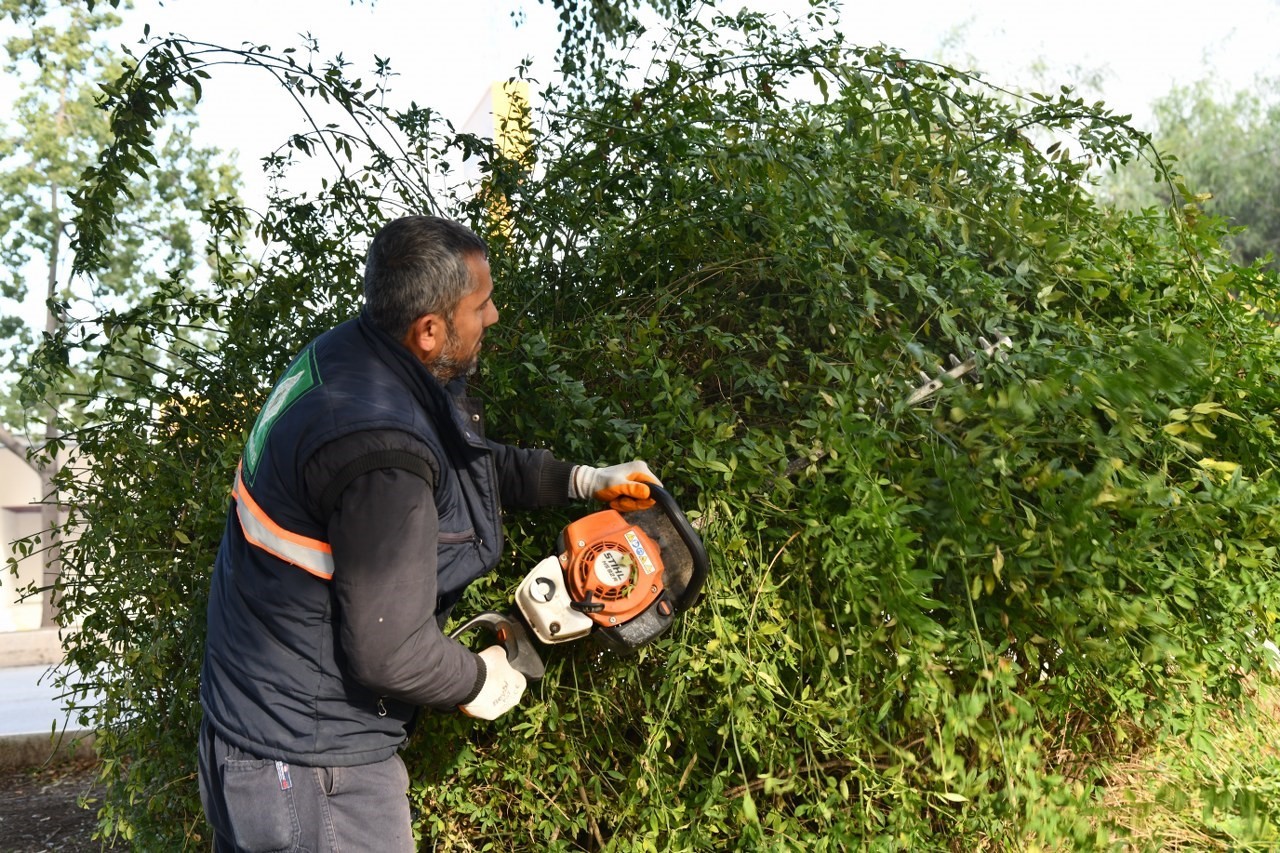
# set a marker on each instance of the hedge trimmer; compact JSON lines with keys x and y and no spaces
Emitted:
{"x":931,"y":385}
{"x":621,"y":577}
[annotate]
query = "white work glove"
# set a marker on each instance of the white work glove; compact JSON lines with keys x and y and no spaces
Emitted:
{"x":623,"y":487}
{"x":502,"y":687}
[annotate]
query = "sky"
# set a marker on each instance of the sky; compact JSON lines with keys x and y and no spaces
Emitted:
{"x":447,"y":52}
{"x":1139,"y":49}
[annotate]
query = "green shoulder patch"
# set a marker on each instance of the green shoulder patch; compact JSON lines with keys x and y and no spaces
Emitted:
{"x":301,"y":377}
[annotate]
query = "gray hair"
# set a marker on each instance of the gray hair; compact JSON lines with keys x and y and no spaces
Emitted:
{"x":417,"y":265}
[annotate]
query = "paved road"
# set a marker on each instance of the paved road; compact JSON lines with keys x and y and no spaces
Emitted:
{"x":29,"y":703}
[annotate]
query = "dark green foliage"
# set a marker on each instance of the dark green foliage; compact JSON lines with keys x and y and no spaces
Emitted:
{"x":925,"y":627}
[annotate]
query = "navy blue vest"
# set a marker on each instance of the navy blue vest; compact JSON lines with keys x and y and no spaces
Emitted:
{"x":273,"y":678}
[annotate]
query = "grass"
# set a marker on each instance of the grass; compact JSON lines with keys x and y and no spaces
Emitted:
{"x":1216,"y":787}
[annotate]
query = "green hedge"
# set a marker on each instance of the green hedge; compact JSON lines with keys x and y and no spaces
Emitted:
{"x":926,"y":627}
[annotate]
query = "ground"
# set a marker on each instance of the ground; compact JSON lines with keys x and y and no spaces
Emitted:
{"x":40,"y":809}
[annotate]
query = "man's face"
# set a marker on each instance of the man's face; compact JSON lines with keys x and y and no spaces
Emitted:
{"x":475,"y":312}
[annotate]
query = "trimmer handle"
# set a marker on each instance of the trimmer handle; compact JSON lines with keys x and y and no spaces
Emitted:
{"x":692,"y":541}
{"x":510,"y":633}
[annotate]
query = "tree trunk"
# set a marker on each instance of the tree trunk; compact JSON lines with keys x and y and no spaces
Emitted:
{"x":50,"y":512}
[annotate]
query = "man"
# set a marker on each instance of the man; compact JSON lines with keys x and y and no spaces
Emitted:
{"x":365,"y":502}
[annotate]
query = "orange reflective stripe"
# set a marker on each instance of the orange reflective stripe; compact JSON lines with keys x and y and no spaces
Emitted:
{"x":312,"y":555}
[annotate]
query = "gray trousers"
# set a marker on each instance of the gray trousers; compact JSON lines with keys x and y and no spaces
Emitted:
{"x":259,"y":804}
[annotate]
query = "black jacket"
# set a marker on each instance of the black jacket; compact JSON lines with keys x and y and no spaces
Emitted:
{"x":368,"y":499}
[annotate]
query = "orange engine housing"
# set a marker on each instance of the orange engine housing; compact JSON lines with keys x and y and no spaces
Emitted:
{"x":612,"y":569}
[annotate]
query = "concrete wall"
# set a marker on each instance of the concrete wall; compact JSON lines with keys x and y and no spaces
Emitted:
{"x":40,"y":750}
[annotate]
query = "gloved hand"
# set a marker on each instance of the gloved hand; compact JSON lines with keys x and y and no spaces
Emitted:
{"x":624,"y":487}
{"x":502,"y":687}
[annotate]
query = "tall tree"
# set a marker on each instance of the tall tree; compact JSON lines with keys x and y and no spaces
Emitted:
{"x":59,"y":54}
{"x":1226,"y":146}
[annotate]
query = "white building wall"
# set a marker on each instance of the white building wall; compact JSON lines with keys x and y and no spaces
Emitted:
{"x":19,"y":517}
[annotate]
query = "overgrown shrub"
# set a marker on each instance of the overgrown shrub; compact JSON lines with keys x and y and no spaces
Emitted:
{"x":925,"y":625}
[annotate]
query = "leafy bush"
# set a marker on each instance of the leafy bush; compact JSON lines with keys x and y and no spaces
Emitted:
{"x":925,"y":624}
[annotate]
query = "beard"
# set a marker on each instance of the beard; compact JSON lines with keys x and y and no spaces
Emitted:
{"x":449,"y":364}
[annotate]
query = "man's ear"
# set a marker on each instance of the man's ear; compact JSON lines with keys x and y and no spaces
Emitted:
{"x":425,"y":337}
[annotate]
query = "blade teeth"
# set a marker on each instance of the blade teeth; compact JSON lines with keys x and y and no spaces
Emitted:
{"x":958,"y":367}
